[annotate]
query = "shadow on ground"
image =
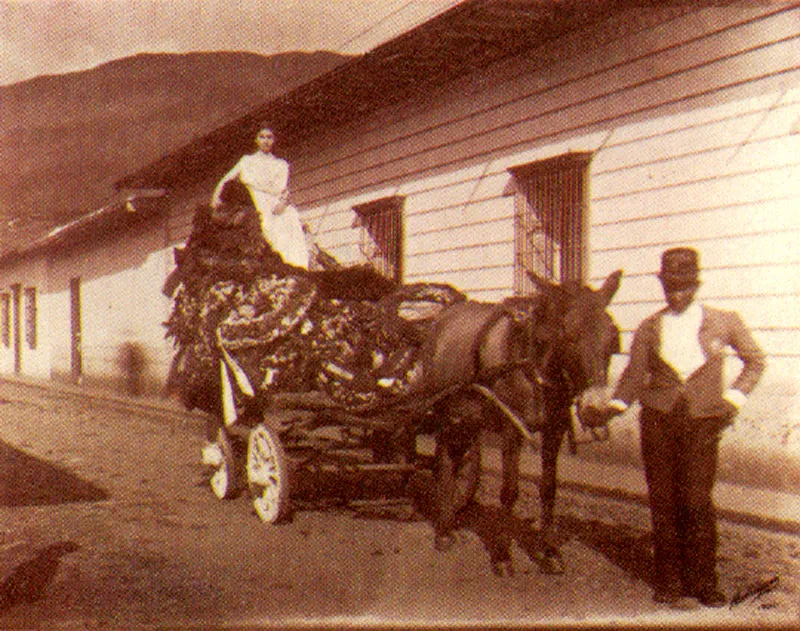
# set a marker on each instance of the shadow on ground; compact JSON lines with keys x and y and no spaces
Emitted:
{"x":410,"y":498}
{"x":626,"y":547}
{"x":29,"y":481}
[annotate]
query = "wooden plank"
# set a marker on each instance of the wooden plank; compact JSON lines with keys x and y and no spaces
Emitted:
{"x":465,"y":236}
{"x":779,"y":343}
{"x":755,"y":188}
{"x":771,"y":154}
{"x":689,"y":137}
{"x":455,"y":257}
{"x":443,"y":180}
{"x":491,"y":183}
{"x":439,"y":219}
{"x":774,"y":250}
{"x":592,"y":93}
{"x":767,"y":313}
{"x":596,"y":136}
{"x":413,"y":117}
{"x":454,"y":195}
{"x":614,"y":108}
{"x":771,"y":102}
{"x":612,"y":44}
{"x":776,"y":344}
{"x":729,"y":282}
{"x":765,"y":217}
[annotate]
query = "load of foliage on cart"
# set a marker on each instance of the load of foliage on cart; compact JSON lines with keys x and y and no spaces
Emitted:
{"x":347,"y":331}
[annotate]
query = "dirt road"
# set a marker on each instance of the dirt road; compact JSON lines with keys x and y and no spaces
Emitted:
{"x":155,"y":549}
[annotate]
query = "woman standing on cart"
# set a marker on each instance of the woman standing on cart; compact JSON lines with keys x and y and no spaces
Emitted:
{"x":267,"y":179}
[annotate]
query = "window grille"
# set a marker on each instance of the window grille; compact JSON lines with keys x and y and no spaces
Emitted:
{"x":381,"y":236}
{"x":549,"y":219}
{"x":5,"y":318}
{"x":30,"y":316}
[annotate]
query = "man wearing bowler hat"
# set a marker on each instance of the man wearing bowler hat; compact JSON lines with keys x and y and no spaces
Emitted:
{"x":675,"y":371}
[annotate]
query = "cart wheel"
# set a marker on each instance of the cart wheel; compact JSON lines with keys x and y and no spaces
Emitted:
{"x":467,"y":476}
{"x":225,"y":481}
{"x":268,"y":475}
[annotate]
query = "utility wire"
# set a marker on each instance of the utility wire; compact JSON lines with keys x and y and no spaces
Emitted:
{"x":244,"y":109}
{"x":372,"y":27}
{"x":388,"y":16}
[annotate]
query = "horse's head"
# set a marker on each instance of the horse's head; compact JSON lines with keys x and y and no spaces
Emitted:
{"x":583,"y":337}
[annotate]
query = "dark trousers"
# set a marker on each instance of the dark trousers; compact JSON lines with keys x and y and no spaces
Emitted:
{"x":680,"y":459}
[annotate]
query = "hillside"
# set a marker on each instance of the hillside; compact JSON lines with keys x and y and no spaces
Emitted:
{"x":66,"y":139}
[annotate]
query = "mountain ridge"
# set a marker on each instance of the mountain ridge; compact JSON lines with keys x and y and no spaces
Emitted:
{"x":67,"y":138}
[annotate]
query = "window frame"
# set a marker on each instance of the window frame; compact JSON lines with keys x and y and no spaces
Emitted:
{"x":559,"y":187}
{"x":381,"y":226}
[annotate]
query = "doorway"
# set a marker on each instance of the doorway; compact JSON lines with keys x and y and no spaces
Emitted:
{"x":16,"y":310}
{"x":76,"y":329}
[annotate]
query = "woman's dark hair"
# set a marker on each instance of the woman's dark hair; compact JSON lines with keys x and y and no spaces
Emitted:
{"x":235,"y":193}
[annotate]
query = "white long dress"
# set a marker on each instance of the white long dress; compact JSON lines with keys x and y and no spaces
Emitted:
{"x":266,"y":177}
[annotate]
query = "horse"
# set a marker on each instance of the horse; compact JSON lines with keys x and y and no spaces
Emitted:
{"x":527,"y":359}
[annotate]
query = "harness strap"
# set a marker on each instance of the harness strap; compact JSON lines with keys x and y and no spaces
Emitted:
{"x":480,"y":337}
{"x":503,"y":311}
{"x":509,"y":413}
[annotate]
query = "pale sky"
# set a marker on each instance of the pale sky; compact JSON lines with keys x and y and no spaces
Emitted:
{"x":57,"y":36}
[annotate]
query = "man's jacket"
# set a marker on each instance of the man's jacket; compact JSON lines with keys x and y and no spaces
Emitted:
{"x":657,"y":385}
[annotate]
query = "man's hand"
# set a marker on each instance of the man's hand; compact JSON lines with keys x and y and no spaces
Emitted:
{"x":592,"y":416}
{"x":728,"y":415}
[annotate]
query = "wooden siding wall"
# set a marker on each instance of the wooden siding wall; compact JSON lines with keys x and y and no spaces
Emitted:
{"x":692,"y":115}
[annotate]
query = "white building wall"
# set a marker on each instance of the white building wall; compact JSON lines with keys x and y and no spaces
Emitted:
{"x":121,"y":302}
{"x":693,"y":119}
{"x":34,"y":362}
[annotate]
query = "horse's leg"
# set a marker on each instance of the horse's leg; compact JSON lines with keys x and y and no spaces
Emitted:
{"x":500,"y":552}
{"x":552,"y":436}
{"x":511,"y":450}
{"x":444,"y":487}
{"x":551,"y":444}
{"x":457,"y":464}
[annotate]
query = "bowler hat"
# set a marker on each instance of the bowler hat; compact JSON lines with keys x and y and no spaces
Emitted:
{"x":680,"y":268}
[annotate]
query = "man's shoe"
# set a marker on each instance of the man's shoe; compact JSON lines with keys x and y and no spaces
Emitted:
{"x":713,"y":598}
{"x":675,"y":601}
{"x":665,"y":598}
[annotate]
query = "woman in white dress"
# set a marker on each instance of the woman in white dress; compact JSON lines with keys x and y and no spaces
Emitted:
{"x":267,"y":179}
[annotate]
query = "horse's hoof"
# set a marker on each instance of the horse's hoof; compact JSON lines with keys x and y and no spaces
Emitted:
{"x":503,"y":568}
{"x":550,"y":562}
{"x":443,"y":543}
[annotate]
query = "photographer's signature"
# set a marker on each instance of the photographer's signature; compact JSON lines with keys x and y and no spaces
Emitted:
{"x":755,"y":591}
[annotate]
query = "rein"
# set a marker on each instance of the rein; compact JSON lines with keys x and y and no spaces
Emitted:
{"x":532,"y":367}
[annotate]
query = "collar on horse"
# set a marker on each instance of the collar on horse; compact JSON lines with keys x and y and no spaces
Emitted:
{"x":521,"y":313}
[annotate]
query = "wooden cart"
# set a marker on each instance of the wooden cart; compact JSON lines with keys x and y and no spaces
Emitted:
{"x":264,"y":450}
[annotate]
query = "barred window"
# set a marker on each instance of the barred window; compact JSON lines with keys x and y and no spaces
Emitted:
{"x":30,"y":316}
{"x":5,"y":318}
{"x":549,"y":218}
{"x":381,"y":238}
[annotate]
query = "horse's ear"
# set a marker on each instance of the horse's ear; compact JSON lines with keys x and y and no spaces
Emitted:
{"x":610,"y":287}
{"x":542,"y":284}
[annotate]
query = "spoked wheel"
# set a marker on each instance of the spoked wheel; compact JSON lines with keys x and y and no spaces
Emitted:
{"x":268,"y":475}
{"x":226,"y":480}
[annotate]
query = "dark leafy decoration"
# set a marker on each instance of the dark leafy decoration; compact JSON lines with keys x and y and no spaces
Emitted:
{"x":346,"y":330}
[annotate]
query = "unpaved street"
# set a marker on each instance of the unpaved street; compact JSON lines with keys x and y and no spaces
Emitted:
{"x":156,"y":549}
